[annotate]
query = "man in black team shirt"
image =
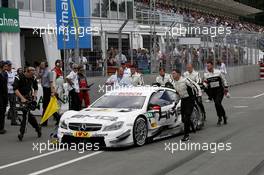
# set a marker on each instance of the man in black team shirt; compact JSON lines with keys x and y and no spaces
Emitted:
{"x":26,"y":88}
{"x":216,"y":84}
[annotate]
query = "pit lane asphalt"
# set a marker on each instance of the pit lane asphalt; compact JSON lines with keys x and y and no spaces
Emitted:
{"x":244,"y":131}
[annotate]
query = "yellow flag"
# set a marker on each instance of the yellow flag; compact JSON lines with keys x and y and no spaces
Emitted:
{"x":51,"y":109}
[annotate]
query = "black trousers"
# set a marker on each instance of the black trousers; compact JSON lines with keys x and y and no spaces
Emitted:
{"x":31,"y":119}
{"x":74,"y":101}
{"x":208,"y":93}
{"x":187,"y":105}
{"x":2,"y":117}
{"x":46,"y":100}
{"x":218,"y":95}
{"x":12,"y":113}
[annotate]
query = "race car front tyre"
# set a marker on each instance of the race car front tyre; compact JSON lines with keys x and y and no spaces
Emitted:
{"x":140,"y":131}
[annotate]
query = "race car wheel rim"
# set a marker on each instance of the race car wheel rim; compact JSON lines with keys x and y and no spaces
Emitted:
{"x":140,"y":131}
{"x":195,"y":119}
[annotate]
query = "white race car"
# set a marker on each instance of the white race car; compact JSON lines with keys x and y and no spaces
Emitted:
{"x":123,"y":117}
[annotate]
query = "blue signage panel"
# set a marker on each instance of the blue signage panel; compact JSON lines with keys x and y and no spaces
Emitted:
{"x":73,"y":24}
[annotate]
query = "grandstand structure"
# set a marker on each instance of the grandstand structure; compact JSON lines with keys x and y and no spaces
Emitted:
{"x":157,"y":29}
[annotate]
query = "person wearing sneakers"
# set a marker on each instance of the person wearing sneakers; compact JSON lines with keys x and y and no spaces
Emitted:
{"x":195,"y":77}
{"x":26,"y":89}
{"x":186,"y":92}
{"x":216,"y":84}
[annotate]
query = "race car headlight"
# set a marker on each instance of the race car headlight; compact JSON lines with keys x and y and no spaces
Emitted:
{"x":114,"y":126}
{"x":63,"y":125}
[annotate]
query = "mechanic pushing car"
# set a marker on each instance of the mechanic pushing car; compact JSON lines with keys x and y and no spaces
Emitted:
{"x":195,"y":76}
{"x":163,"y":77}
{"x":119,"y":79}
{"x":216,"y":84}
{"x":135,"y":77}
{"x":26,"y":88}
{"x":186,"y":91}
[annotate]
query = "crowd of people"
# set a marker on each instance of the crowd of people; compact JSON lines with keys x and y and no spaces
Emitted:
{"x":202,"y":18}
{"x":198,"y":56}
{"x":20,"y":88}
{"x":180,"y":56}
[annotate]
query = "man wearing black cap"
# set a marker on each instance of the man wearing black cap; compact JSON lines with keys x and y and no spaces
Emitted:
{"x":3,"y":95}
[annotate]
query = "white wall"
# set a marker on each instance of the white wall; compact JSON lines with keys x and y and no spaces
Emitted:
{"x":10,"y":48}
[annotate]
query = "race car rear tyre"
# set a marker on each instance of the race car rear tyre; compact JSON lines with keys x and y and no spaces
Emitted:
{"x":196,"y":119}
{"x":140,"y":131}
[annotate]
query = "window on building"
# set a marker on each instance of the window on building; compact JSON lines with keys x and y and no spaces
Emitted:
{"x":130,"y":9}
{"x":104,"y":8}
{"x":50,"y":5}
{"x":12,"y":3}
{"x":122,"y":9}
{"x":38,"y":5}
{"x":4,"y":3}
{"x":23,"y":4}
{"x":113,"y":8}
{"x":95,"y":8}
{"x":97,"y":43}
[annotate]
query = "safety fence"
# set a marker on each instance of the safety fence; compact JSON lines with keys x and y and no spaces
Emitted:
{"x":150,"y":43}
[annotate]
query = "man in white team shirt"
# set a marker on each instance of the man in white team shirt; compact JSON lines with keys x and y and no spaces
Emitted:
{"x":135,"y":77}
{"x":73,"y":84}
{"x":127,"y":71}
{"x":163,"y":77}
{"x":217,"y":85}
{"x":195,"y":77}
{"x":119,"y":79}
{"x":192,"y":74}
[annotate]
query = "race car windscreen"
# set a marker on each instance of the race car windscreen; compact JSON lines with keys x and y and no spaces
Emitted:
{"x":130,"y":102}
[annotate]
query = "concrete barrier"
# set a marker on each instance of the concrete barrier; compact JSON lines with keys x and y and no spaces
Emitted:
{"x":236,"y":75}
{"x":242,"y":74}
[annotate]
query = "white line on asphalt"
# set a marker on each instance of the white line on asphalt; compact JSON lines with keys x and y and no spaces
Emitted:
{"x":65,"y":163}
{"x":258,"y":95}
{"x":29,"y":159}
{"x":243,"y":97}
{"x":240,"y":106}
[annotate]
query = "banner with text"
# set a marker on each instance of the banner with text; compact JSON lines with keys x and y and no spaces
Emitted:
{"x":73,"y":24}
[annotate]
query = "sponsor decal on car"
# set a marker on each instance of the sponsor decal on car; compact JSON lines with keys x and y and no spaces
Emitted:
{"x":126,"y":94}
{"x":96,"y":117}
{"x":82,"y":134}
{"x":149,"y":115}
